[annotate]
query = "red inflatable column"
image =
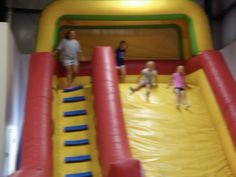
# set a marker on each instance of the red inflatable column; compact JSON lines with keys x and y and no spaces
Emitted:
{"x":222,"y":84}
{"x":36,"y":155}
{"x":115,"y":155}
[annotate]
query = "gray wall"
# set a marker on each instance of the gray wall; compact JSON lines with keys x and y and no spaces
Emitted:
{"x":13,"y":75}
{"x":26,"y":4}
{"x":24,"y":26}
{"x":227,"y":3}
{"x":229,"y":53}
{"x":216,"y":23}
{"x":223,"y":22}
{"x":229,"y":23}
{"x":24,"y":19}
{"x":229,"y":35}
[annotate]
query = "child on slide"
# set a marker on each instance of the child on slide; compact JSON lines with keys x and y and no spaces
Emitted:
{"x":177,"y":79}
{"x":145,"y":79}
{"x":120,"y":57}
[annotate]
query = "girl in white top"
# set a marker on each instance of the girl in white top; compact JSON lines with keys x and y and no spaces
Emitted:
{"x":71,"y":53}
{"x":145,"y":79}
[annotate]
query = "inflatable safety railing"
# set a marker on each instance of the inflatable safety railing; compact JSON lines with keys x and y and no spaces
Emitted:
{"x":115,"y":155}
{"x":36,"y":150}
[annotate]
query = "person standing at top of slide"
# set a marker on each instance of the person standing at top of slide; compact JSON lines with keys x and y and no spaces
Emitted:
{"x":71,"y":55}
{"x":120,"y":57}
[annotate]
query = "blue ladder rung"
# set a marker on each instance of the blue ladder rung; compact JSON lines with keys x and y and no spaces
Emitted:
{"x":75,"y":128}
{"x":73,"y":99}
{"x":75,"y":113}
{"x":75,"y":159}
{"x":73,"y":88}
{"x":84,"y":174}
{"x":76,"y":142}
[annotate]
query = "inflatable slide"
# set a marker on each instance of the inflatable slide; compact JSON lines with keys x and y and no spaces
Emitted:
{"x":98,"y":128}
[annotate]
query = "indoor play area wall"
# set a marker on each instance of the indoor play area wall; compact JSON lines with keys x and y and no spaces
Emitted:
{"x":3,"y":92}
{"x":14,"y":67}
{"x":229,"y":53}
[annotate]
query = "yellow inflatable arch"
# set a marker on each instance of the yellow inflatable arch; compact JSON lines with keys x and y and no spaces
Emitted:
{"x":184,"y":15}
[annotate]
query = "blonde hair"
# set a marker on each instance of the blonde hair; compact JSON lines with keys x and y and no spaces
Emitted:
{"x":179,"y":68}
{"x":150,"y":63}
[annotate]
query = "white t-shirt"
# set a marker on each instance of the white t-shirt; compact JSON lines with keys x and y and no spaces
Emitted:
{"x":69,"y":48}
{"x":148,"y":75}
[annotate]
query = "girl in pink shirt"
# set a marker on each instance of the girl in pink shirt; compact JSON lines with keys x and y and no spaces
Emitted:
{"x":177,"y":79}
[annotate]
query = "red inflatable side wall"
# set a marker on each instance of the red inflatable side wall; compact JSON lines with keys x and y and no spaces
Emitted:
{"x":115,"y":155}
{"x":222,"y":84}
{"x":36,"y":155}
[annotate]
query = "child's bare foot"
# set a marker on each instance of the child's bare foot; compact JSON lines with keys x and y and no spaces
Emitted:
{"x":177,"y":106}
{"x":186,"y":106}
{"x":147,"y":96}
{"x":70,"y":87}
{"x":131,"y":90}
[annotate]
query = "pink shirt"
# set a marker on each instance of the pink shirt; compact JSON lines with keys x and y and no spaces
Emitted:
{"x":178,"y":80}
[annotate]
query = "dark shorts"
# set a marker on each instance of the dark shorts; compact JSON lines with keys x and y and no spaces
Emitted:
{"x":120,"y":62}
{"x":179,"y":88}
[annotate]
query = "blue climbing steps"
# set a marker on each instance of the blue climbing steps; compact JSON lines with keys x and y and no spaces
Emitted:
{"x":75,"y":128}
{"x":75,"y":113}
{"x":76,"y":142}
{"x":85,"y":174}
{"x":72,"y":97}
{"x":73,"y":88}
{"x":75,"y":159}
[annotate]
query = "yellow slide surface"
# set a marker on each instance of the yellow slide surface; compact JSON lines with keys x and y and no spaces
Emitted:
{"x":60,"y":150}
{"x":171,"y":142}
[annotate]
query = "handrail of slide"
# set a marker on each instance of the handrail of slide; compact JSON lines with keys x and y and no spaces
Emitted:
{"x":115,"y":155}
{"x":36,"y":154}
{"x":222,"y":84}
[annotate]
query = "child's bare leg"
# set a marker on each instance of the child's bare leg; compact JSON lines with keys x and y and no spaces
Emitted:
{"x":137,"y":87}
{"x":123,"y":74}
{"x":75,"y":72}
{"x":183,"y":98}
{"x":148,"y":90}
{"x":178,"y":97}
{"x":69,"y":75}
